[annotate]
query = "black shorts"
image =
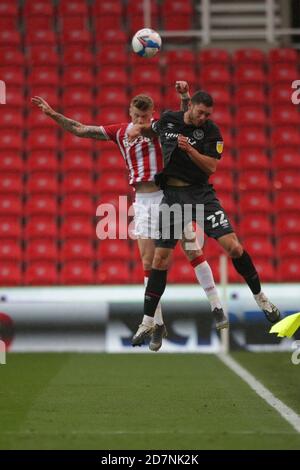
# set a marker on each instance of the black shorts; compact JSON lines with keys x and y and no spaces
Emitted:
{"x":214,"y":221}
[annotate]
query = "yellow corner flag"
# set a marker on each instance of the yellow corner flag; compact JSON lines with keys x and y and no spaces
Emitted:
{"x":287,"y":326}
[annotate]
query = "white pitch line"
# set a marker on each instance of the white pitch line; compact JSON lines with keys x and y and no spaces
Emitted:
{"x":285,"y":411}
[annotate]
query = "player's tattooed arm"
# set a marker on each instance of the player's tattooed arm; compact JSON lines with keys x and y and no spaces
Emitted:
{"x":182,"y":89}
{"x":75,"y":127}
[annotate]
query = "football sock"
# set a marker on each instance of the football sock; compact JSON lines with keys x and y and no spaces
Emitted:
{"x":206,"y":280}
{"x":158,"y":319}
{"x":246,"y":268}
{"x":154,"y":290}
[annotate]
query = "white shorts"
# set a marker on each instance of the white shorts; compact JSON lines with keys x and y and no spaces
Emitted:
{"x":146,"y":214}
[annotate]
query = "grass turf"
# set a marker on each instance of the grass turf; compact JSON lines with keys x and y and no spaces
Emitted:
{"x":138,"y":401}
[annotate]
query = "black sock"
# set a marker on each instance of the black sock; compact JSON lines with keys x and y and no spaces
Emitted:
{"x":154,"y":290}
{"x":246,"y":268}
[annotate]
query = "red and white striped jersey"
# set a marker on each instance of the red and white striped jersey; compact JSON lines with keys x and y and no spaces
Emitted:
{"x":143,"y":156}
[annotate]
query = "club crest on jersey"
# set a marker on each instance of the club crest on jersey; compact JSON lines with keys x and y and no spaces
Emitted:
{"x":220,"y":146}
{"x":198,"y":134}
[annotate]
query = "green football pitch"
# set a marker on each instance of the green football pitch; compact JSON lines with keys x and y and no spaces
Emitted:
{"x":144,"y":401}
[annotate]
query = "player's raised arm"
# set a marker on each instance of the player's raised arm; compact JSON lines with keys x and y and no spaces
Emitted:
{"x":75,"y":127}
{"x":182,"y":89}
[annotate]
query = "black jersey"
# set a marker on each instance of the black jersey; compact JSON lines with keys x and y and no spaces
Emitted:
{"x":206,"y":139}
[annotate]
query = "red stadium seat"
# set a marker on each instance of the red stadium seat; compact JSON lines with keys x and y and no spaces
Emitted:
{"x":181,"y":272}
{"x":251,"y":137}
{"x":288,"y":246}
{"x":44,"y":76}
{"x":80,"y":160}
{"x":41,"y":226}
{"x":147,"y":76}
{"x":77,"y":272}
{"x":221,"y":95}
{"x":254,"y":181}
{"x":255,"y":225}
{"x":177,"y":23}
{"x":280,"y":94}
{"x":111,"y":96}
{"x":212,"y":249}
{"x":283,"y":73}
{"x":111,"y":37}
{"x":223,"y":117}
{"x":11,"y":183}
{"x":42,"y":183}
{"x":113,"y":250}
{"x":252,"y":159}
{"x":181,"y":57}
{"x":255,"y":202}
{"x":11,"y":161}
{"x":250,"y":95}
{"x":78,"y":204}
{"x":137,"y":274}
{"x":77,"y":183}
{"x":41,"y":204}
{"x":44,"y":139}
{"x":249,"y":75}
{"x":259,"y":246}
{"x":108,"y":7}
{"x":15,"y":97}
{"x":115,"y":75}
{"x":214,"y":74}
{"x":283,"y":115}
{"x":41,"y":273}
{"x":9,"y":38}
{"x":48,"y":93}
{"x":77,"y":56}
{"x":11,"y":119}
{"x":110,"y":161}
{"x":11,"y":56}
{"x":10,"y":274}
{"x":81,"y":37}
{"x":287,"y":180}
{"x":108,"y":55}
{"x":214,"y":56}
{"x":265,"y":269}
{"x":42,"y":161}
{"x":109,"y":22}
{"x":77,"y":249}
{"x":78,"y":96}
{"x":80,"y":114}
{"x":249,"y":56}
{"x":70,"y":141}
{"x":222,"y":181}
{"x":289,"y":270}
{"x":8,"y":9}
{"x":251,"y":116}
{"x":285,"y":137}
{"x":42,"y":55}
{"x":10,"y":204}
{"x":113,"y":114}
{"x":11,"y":140}
{"x":10,"y":250}
{"x":13,"y":74}
{"x":283,"y":55}
{"x":227,"y":162}
{"x":288,"y":225}
{"x":113,"y":184}
{"x":74,"y":8}
{"x":113,"y":272}
{"x":41,"y":250}
{"x":10,"y":226}
{"x":38,"y":23}
{"x":78,"y":75}
{"x":286,"y":159}
{"x":74,"y":226}
{"x":41,"y":37}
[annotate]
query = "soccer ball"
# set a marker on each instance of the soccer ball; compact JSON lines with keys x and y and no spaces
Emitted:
{"x":146,"y":42}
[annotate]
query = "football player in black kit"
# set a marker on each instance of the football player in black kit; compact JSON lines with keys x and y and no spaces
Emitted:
{"x":192,"y":146}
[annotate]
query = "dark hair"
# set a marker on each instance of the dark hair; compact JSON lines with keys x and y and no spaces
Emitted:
{"x":142,"y":102}
{"x":202,"y":97}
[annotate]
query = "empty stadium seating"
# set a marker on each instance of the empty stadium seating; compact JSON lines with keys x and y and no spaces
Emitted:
{"x":75,"y":55}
